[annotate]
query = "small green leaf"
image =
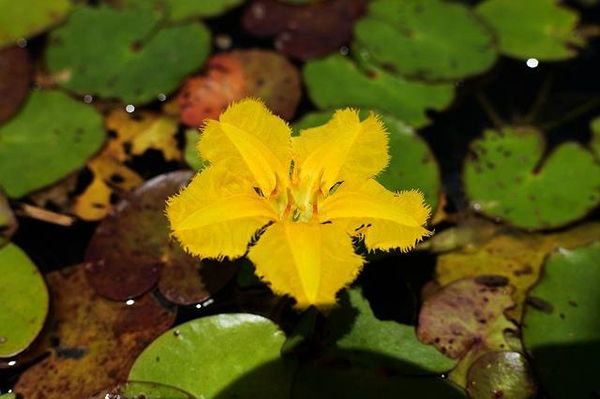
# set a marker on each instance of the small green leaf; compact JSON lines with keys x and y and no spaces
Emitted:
{"x":539,"y":29}
{"x":186,"y":9}
{"x":336,"y":82}
{"x":191,"y":154}
{"x":505,"y":178}
{"x":51,"y":137}
{"x":595,"y":143}
{"x":140,"y":390}
{"x":217,"y":351}
{"x":387,"y":338}
{"x":563,"y":335}
{"x":25,"y":18}
{"x":23,"y":301}
{"x":426,"y":39}
{"x":145,"y":59}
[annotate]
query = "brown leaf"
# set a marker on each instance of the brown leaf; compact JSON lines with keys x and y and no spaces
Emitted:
{"x":233,"y":76}
{"x":132,"y":246}
{"x":97,"y":340}
{"x":15,"y":80}
{"x":304,"y":31}
{"x":8,"y":222}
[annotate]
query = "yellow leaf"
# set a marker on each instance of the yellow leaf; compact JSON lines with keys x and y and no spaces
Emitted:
{"x":217,"y":214}
{"x":344,"y":148}
{"x":386,"y":220}
{"x":109,"y":175}
{"x":251,"y":141}
{"x":139,"y":132}
{"x":309,"y":261}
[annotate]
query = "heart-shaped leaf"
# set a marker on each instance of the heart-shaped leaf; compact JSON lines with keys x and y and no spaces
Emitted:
{"x":425,"y":39}
{"x":562,"y":327}
{"x":51,"y":137}
{"x":505,"y":177}
{"x":336,"y":82}
{"x":23,"y":301}
{"x":217,"y":350}
{"x":541,"y":29}
{"x":25,"y":18}
{"x":144,"y":59}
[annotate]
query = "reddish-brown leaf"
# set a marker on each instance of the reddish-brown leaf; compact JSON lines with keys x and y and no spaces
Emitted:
{"x":15,"y":80}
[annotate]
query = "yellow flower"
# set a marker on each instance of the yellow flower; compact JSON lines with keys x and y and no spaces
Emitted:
{"x":310,"y":194}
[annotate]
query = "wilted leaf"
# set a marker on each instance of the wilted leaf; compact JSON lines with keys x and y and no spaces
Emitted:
{"x":15,"y":80}
{"x":224,"y":348}
{"x":144,"y":58}
{"x":425,"y":39}
{"x":515,"y":256}
{"x":336,"y":82}
{"x":97,"y":340}
{"x":304,"y":31}
{"x":563,"y":335}
{"x":25,"y":18}
{"x":406,"y":150}
{"x":467,"y":315}
{"x":142,"y":390}
{"x":23,"y":301}
{"x":500,"y":375}
{"x":51,"y":137}
{"x":505,"y":178}
{"x":541,"y":29}
{"x":367,"y":334}
{"x":132,"y":249}
{"x":233,"y":76}
{"x":135,"y":134}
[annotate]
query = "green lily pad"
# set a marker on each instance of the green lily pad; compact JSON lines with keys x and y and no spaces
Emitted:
{"x":563,"y":335}
{"x":186,"y":9}
{"x":8,"y":396}
{"x":500,"y":375}
{"x":407,"y":150}
{"x":386,"y":338}
{"x":539,"y":29}
{"x":336,"y":82}
{"x":216,"y":351}
{"x":51,"y":137}
{"x":23,"y":301}
{"x":25,"y":18}
{"x":426,"y":39}
{"x":145,"y":59}
{"x":505,"y":179}
{"x":332,"y":379}
{"x":595,"y":143}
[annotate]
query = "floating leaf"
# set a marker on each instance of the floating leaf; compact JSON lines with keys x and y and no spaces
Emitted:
{"x":562,"y":327}
{"x":186,"y":9}
{"x":22,"y":19}
{"x":336,"y":82}
{"x":15,"y":80}
{"x":516,"y":256}
{"x":500,"y":375}
{"x":135,"y":134}
{"x":51,"y":137}
{"x":399,"y":342}
{"x":233,"y":76}
{"x":467,"y":315}
{"x":191,"y":154}
{"x":540,"y":29}
{"x":97,"y":340}
{"x":595,"y":143}
{"x":304,"y":31}
{"x":335,"y":379}
{"x":145,"y":59}
{"x":23,"y":301}
{"x":224,"y":348}
{"x":431,"y":40}
{"x":142,"y":390}
{"x":132,"y":249}
{"x":505,"y":178}
{"x":406,"y":150}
